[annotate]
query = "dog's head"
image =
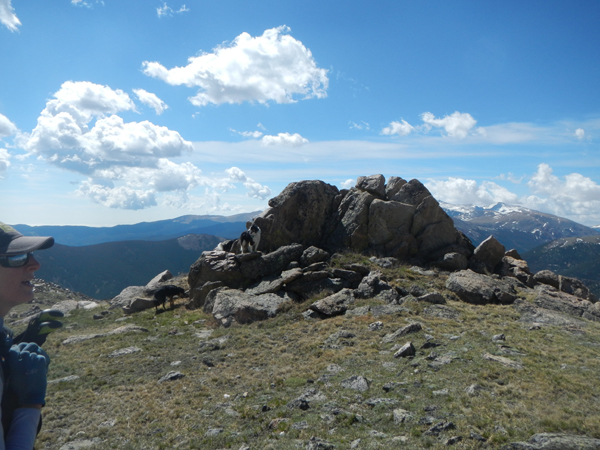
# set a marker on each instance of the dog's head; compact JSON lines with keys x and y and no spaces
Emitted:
{"x":254,"y":229}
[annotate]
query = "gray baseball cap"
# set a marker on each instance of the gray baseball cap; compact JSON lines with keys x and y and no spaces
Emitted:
{"x":14,"y":243}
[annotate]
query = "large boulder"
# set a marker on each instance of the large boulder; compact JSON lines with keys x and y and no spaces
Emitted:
{"x":388,"y":221}
{"x":576,"y":287}
{"x":479,"y":289}
{"x":547,"y":277}
{"x":350,"y":224}
{"x":374,"y":184}
{"x":333,"y":305}
{"x":411,"y":193}
{"x":393,"y":185}
{"x":231,"y":305}
{"x":299,"y":214}
{"x":487,"y":256}
{"x":134,"y":299}
{"x":549,"y":298}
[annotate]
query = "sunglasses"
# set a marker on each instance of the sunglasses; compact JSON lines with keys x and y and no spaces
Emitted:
{"x":15,"y":260}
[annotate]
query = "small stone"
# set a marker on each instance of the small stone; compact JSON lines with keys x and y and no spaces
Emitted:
{"x":213,"y":431}
{"x":376,"y":326}
{"x":406,"y":350}
{"x":473,"y":390}
{"x":357,"y":383}
{"x":171,"y":376}
{"x":125,"y":351}
{"x":440,"y":427}
{"x":402,"y":416}
{"x":453,"y":440}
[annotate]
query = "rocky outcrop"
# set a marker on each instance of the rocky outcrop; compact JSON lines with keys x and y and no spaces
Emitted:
{"x":400,"y":219}
{"x":292,"y":273}
{"x":217,"y":268}
{"x":397,"y":222}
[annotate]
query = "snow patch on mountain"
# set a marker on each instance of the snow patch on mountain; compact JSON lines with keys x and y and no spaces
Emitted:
{"x":469,"y":212}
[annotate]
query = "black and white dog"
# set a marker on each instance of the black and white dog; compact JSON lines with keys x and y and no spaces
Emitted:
{"x":250,"y":239}
{"x":227,"y":246}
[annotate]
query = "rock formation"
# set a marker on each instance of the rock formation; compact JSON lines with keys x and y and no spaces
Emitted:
{"x":310,"y":223}
{"x":398,"y":222}
{"x":400,"y":219}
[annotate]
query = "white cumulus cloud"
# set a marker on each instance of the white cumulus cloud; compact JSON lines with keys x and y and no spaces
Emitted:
{"x":151,"y":100}
{"x":122,"y":197}
{"x":127,"y":163}
{"x":273,"y":67}
{"x":7,"y":128}
{"x":456,"y":125}
{"x":576,"y":197}
{"x":137,"y":187}
{"x":292,"y":140}
{"x":66,"y":135}
{"x":8,"y":18}
{"x":253,"y":189}
{"x":400,"y":128}
{"x":580,"y":134}
{"x":460,"y":191}
{"x":236,"y":174}
{"x":4,"y":161}
{"x":349,"y":183}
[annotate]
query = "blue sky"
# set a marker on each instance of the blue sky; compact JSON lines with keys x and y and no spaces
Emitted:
{"x":116,"y":112}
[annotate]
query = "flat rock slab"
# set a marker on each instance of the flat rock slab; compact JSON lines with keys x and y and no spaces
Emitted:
{"x":502,"y":360}
{"x":530,"y":313}
{"x":555,"y":441}
{"x":125,"y":351}
{"x":120,"y":330}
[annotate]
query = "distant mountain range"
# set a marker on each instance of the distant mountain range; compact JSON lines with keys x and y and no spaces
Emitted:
{"x":102,"y":271}
{"x":514,"y":226}
{"x":100,"y":262}
{"x":228,"y":227}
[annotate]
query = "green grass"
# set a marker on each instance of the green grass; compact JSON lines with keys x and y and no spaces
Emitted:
{"x":244,"y":388}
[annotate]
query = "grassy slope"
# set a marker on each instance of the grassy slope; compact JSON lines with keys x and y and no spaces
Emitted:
{"x":264,"y":366}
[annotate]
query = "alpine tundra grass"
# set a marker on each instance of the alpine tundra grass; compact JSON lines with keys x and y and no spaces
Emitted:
{"x":279,"y":383}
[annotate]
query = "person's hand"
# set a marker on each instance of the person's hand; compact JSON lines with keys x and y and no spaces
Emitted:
{"x":28,"y":366}
{"x":38,"y":328}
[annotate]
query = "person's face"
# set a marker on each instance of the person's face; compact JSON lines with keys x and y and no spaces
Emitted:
{"x":15,"y":285}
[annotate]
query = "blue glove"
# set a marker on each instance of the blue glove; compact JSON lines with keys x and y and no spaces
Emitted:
{"x":28,"y":366}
